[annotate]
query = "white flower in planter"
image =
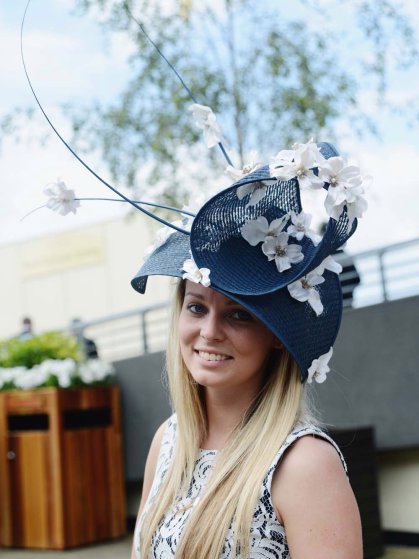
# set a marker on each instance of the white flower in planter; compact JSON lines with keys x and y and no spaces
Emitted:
{"x":95,"y":370}
{"x":31,"y":378}
{"x":9,"y":374}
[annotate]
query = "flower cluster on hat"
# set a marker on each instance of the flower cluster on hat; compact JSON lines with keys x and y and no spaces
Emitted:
{"x":195,"y":274}
{"x":61,"y":199}
{"x":284,"y":254}
{"x":345,"y":188}
{"x":161,"y":237}
{"x":257,"y":191}
{"x":320,"y":367}
{"x":237,"y":174}
{"x":329,"y":263}
{"x":300,"y":227}
{"x":304,"y":289}
{"x":298,"y":163}
{"x":207,"y":121}
{"x":257,"y":230}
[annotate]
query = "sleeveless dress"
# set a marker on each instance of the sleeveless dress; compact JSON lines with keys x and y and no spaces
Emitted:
{"x":267,"y":534}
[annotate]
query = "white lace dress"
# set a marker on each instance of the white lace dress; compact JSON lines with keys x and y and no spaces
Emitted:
{"x":267,"y":534}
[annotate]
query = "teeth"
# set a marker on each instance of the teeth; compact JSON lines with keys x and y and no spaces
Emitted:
{"x":212,"y":356}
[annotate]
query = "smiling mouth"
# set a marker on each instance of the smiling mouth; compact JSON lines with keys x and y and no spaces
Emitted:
{"x":213,"y":356}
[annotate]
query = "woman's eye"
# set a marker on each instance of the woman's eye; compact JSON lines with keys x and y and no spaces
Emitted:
{"x":195,"y":308}
{"x":241,"y":315}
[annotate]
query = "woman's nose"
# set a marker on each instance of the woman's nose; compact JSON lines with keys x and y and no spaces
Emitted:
{"x":211,"y":327}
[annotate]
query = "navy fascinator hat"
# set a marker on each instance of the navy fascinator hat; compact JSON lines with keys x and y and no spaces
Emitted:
{"x":252,"y":241}
{"x":263,"y":255}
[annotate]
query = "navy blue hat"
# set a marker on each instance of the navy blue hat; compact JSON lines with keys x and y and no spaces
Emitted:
{"x":301,"y":305}
{"x":252,"y":242}
{"x":305,"y":335}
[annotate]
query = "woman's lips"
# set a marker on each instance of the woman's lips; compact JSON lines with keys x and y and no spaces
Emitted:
{"x":211,"y":356}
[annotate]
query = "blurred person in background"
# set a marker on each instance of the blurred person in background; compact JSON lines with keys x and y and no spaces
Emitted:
{"x":87,"y":345}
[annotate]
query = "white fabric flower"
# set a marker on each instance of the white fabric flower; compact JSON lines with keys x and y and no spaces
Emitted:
{"x":345,"y":188}
{"x":355,"y":209}
{"x":207,"y":121}
{"x":304,"y":290}
{"x":278,"y":249}
{"x":257,"y":191}
{"x":237,"y":174}
{"x":298,"y":163}
{"x":319,"y":367}
{"x":329,"y":263}
{"x":300,"y":227}
{"x":193,"y":206}
{"x":162,"y":235}
{"x":257,"y":230}
{"x":195,"y":274}
{"x":61,"y":199}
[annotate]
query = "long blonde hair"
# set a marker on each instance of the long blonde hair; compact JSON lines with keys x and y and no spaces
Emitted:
{"x":234,"y":484}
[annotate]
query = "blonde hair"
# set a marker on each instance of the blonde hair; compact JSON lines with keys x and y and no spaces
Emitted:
{"x":234,"y":484}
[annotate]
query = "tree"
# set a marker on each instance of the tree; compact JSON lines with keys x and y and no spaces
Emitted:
{"x":271,"y":77}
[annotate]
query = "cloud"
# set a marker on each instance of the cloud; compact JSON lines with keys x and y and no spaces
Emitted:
{"x":57,"y":62}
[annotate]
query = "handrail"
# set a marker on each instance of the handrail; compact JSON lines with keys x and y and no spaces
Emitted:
{"x":143,"y":330}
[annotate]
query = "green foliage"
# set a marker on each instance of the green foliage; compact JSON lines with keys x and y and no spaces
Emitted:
{"x":51,"y":345}
{"x":270,"y":77}
{"x":272,"y":72}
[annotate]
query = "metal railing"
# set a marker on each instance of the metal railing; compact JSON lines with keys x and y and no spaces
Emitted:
{"x":385,"y":274}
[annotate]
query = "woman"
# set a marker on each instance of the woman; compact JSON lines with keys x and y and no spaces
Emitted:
{"x":241,"y":469}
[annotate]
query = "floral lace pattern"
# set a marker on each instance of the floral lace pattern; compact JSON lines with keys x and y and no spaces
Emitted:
{"x":267,"y":535}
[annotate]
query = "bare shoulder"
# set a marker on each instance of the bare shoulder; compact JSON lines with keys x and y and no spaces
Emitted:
{"x":311,"y":455}
{"x":314,"y":500}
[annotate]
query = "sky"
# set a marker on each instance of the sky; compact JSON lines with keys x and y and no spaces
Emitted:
{"x":56,"y":44}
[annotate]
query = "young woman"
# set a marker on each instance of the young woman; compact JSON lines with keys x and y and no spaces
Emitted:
{"x":241,"y":469}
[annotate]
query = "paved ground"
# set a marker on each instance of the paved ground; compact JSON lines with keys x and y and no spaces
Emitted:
{"x":121,"y":549}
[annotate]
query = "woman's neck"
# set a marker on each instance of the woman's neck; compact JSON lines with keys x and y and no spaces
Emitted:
{"x":224,"y":413}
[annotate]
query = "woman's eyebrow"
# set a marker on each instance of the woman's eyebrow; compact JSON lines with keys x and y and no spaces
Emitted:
{"x":196,"y":295}
{"x":202,"y":298}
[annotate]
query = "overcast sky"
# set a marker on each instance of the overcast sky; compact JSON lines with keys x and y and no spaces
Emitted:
{"x":70,"y":60}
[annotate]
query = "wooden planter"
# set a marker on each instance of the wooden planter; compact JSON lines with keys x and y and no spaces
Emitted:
{"x":61,"y":470}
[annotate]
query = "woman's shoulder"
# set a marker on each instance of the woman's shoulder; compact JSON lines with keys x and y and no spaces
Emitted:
{"x":309,"y":460}
{"x":308,"y":439}
{"x":312,"y":497}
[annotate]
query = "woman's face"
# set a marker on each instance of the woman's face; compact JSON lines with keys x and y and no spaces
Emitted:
{"x":222,"y":344}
